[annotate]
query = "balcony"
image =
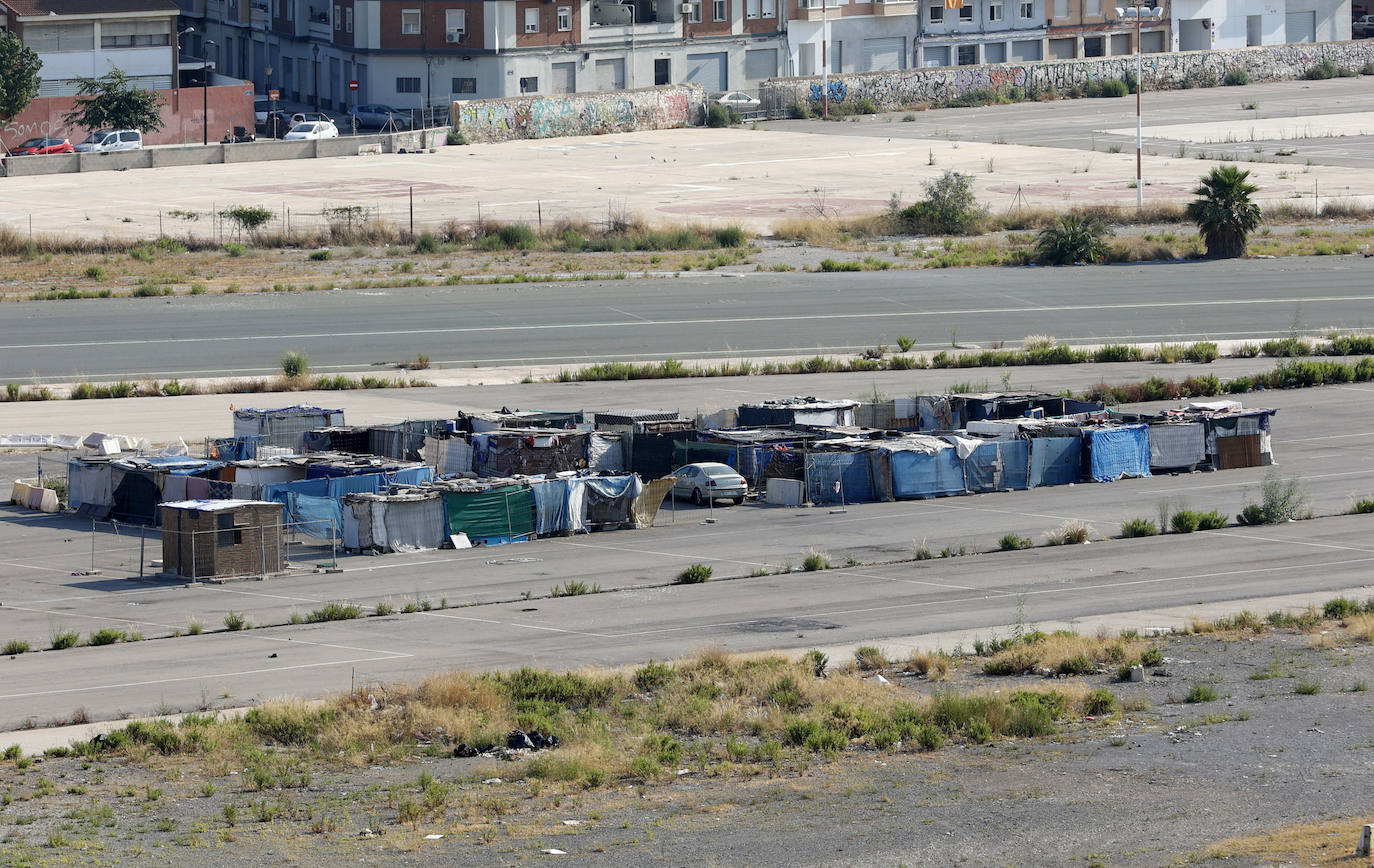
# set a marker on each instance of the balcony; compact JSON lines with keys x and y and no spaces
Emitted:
{"x":810,"y":10}
{"x":896,"y":7}
{"x":261,"y":17}
{"x":321,"y":31}
{"x":615,"y":33}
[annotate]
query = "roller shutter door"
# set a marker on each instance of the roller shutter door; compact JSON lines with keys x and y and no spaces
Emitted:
{"x":889,"y":52}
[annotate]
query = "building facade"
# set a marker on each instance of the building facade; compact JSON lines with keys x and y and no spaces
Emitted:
{"x":411,"y":54}
{"x":86,"y":38}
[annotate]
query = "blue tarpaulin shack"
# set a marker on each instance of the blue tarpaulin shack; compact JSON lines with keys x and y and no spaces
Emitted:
{"x":1055,"y":460}
{"x":1116,"y":451}
{"x":839,"y":477}
{"x":923,"y":466}
{"x":998,"y":465}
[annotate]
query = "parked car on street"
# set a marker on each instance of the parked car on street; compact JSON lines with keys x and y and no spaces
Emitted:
{"x":261,"y":106}
{"x":42,"y":145}
{"x":312,"y":130}
{"x":382,"y":117}
{"x":709,"y":480}
{"x":105,"y":141}
{"x":736,"y":99}
{"x":1362,"y":27}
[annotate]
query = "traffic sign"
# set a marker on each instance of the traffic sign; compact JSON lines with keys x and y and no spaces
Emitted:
{"x":274,"y":95}
{"x":353,"y":85}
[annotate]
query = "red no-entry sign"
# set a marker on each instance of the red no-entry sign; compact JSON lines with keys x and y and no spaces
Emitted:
{"x":353,"y":85}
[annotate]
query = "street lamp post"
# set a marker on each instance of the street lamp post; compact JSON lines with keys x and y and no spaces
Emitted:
{"x":316,"y":50}
{"x":825,"y":61}
{"x":205,"y":93}
{"x":181,"y":33}
{"x":1138,"y":12}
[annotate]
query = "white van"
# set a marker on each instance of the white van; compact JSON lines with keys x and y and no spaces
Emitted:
{"x":105,"y":141}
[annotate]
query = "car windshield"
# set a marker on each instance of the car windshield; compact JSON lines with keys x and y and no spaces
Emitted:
{"x":305,"y":128}
{"x":34,"y":143}
{"x":97,"y":136}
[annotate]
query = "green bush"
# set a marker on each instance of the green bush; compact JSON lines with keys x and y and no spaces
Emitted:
{"x":1079,"y":664}
{"x":815,"y":561}
{"x":730,"y":236}
{"x":320,"y":255}
{"x":949,"y":208}
{"x":1235,"y":77}
{"x":16,"y":646}
{"x":717,"y":116}
{"x":1202,"y":351}
{"x":1112,"y":88}
{"x":1211,"y":520}
{"x":1099,"y":701}
{"x":1136,"y":527}
{"x":516,"y":235}
{"x":1073,"y":238}
{"x":1327,"y":68}
{"x":817,"y":661}
{"x":694,"y":574}
{"x":865,"y":106}
{"x":235,"y":621}
{"x":1362,"y":507}
{"x":1152,"y":656}
{"x":1280,"y":500}
{"x":1340,"y":607}
{"x":105,"y":636}
{"x":1184,"y":521}
{"x":1201,"y":693}
{"x":455,"y":137}
{"x":294,"y":364}
{"x":1117,"y":353}
{"x":334,"y":611}
{"x":652,"y":676}
{"x":1012,"y":542}
{"x":1307,"y":687}
{"x":62,"y":641}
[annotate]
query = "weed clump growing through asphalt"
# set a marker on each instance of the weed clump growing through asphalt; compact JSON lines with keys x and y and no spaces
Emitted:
{"x":694,"y":574}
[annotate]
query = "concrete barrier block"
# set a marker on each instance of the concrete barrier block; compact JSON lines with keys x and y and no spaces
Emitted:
{"x":1365,"y":834}
{"x":194,"y":155}
{"x":269,"y":151}
{"x":1137,"y":673}
{"x":49,"y":164}
{"x":116,"y":161}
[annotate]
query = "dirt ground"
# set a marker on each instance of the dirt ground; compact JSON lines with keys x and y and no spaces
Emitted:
{"x":1275,"y":770}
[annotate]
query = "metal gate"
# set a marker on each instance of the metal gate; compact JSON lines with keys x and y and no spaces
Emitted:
{"x":888,"y":52}
{"x":707,"y":70}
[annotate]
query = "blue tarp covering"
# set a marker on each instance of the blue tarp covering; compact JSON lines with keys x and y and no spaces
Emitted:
{"x":1117,"y":452}
{"x":998,"y":465}
{"x":320,"y":517}
{"x":923,"y":474}
{"x":553,"y":505}
{"x":1054,"y":460}
{"x":411,"y":476}
{"x":336,"y":487}
{"x":850,"y":469}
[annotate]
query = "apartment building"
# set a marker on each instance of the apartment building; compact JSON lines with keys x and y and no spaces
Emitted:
{"x":85,"y":38}
{"x":416,"y":53}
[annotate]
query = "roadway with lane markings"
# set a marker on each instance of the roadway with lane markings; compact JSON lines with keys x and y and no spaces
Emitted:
{"x":692,"y":316}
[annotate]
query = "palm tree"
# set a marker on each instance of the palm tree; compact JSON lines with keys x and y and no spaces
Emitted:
{"x":1225,"y":215}
{"x":1073,"y":238}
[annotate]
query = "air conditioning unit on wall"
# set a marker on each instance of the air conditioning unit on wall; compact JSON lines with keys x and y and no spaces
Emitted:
{"x":454,"y":36}
{"x":686,"y":8}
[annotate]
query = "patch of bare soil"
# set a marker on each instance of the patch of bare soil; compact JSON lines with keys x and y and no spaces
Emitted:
{"x":1273,"y":770}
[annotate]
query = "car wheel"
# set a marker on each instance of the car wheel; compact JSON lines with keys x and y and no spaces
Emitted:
{"x":696,"y":497}
{"x":738,"y":500}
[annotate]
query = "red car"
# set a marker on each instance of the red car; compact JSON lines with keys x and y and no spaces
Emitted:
{"x":42,"y":146}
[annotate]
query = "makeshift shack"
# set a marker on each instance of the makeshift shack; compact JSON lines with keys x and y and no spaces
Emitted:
{"x":203,"y":539}
{"x":284,"y":426}
{"x":797,"y":411}
{"x":406,"y":522}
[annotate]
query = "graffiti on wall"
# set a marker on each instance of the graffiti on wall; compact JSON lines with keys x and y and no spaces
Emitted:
{"x":588,"y":114}
{"x":904,"y":88}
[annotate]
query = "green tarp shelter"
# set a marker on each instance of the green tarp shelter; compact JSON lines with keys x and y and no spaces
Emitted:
{"x":497,"y":515}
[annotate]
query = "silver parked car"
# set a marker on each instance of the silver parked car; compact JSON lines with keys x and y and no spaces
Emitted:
{"x":382,"y":117}
{"x":105,"y":141}
{"x":709,"y":480}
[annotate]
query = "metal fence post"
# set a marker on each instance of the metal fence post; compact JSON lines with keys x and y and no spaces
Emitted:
{"x":193,"y":555}
{"x":262,"y":548}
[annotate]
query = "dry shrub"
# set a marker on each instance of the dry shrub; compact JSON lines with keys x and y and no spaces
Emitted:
{"x":933,"y":666}
{"x":1360,"y":627}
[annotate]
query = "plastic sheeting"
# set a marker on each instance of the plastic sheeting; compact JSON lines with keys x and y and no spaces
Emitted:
{"x":839,"y":477}
{"x":1182,"y":445}
{"x":1055,"y":460}
{"x":496,"y":515}
{"x":89,"y":484}
{"x":558,"y":506}
{"x":1117,"y":452}
{"x":998,"y":465}
{"x":448,"y":456}
{"x":606,"y":452}
{"x":610,"y":499}
{"x":318,"y":517}
{"x":918,"y":474}
{"x":403,"y":523}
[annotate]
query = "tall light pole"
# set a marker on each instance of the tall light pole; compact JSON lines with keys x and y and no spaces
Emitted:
{"x":825,"y":61}
{"x":205,"y":93}
{"x":1138,"y":12}
{"x":316,"y":50}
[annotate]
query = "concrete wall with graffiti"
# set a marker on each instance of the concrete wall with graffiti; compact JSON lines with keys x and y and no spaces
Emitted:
{"x":907,"y":88}
{"x":578,"y":114}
